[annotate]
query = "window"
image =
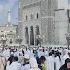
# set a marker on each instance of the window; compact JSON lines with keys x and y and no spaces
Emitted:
{"x":31,"y":36}
{"x":1,"y":31}
{"x":69,"y":19}
{"x":37,"y":30}
{"x":26,"y":35}
{"x":68,"y":13}
{"x":26,"y":18}
{"x":37,"y":41}
{"x":37,"y":16}
{"x":11,"y":41}
{"x":10,"y":31}
{"x":2,"y":35}
{"x":31,"y":16}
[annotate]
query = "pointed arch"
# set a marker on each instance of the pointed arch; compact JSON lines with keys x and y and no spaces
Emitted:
{"x":37,"y":33}
{"x":31,"y":36}
{"x":26,"y":35}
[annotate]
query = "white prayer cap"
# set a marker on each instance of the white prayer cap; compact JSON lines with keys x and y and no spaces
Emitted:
{"x":26,"y":56}
{"x":33,"y":63}
{"x":40,"y":48}
{"x":34,"y":48}
{"x":12,"y":53}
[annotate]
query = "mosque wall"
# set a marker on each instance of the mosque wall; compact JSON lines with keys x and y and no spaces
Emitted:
{"x":52,"y":23}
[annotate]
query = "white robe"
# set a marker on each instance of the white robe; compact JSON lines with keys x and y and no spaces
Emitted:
{"x":25,"y":67}
{"x":6,"y":53}
{"x":46,"y":53}
{"x":50,"y":63}
{"x":33,"y":64}
{"x":34,"y":69}
{"x":64,"y":58}
{"x":57,"y":62}
{"x":40,"y":53}
{"x":15,"y":66}
{"x":16,"y":53}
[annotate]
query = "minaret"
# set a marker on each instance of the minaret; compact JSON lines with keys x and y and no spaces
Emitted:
{"x":9,"y":16}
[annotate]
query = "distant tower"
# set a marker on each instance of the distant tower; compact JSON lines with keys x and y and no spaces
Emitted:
{"x":9,"y":16}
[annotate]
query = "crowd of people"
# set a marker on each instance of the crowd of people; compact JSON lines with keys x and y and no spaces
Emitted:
{"x":38,"y":58}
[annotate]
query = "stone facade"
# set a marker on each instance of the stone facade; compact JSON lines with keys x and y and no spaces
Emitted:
{"x":35,"y":13}
{"x":45,"y":15}
{"x":61,"y":26}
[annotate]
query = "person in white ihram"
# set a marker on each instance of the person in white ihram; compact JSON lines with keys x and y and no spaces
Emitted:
{"x":26,"y":64}
{"x":15,"y":65}
{"x":33,"y":64}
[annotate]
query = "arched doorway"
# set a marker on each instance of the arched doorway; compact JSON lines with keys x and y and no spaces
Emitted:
{"x":31,"y":36}
{"x":37,"y":34}
{"x":26,"y":35}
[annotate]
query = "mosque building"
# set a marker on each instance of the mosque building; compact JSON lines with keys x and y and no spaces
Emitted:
{"x":43,"y":22}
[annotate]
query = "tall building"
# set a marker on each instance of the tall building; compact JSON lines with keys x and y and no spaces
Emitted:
{"x":42,"y":21}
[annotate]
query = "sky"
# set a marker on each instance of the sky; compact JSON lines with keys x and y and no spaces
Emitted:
{"x":5,"y":5}
{"x":68,"y":1}
{"x":13,"y":5}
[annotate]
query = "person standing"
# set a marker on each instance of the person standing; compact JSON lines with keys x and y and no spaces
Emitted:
{"x":50,"y":62}
{"x":57,"y":60}
{"x":2,"y":63}
{"x":43,"y":63}
{"x":26,"y":64}
{"x":66,"y":66}
{"x":15,"y":65}
{"x":33,"y":64}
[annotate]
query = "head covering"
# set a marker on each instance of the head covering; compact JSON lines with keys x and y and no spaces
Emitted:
{"x":67,"y":60}
{"x":26,"y":56}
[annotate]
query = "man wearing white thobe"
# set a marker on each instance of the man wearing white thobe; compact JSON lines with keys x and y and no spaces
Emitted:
{"x":33,"y":64}
{"x":50,"y":63}
{"x":14,"y":65}
{"x":57,"y":62}
{"x":65,"y":56}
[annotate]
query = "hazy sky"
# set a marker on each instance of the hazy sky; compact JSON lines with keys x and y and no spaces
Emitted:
{"x":4,"y":6}
{"x":69,"y":1}
{"x":13,"y":5}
